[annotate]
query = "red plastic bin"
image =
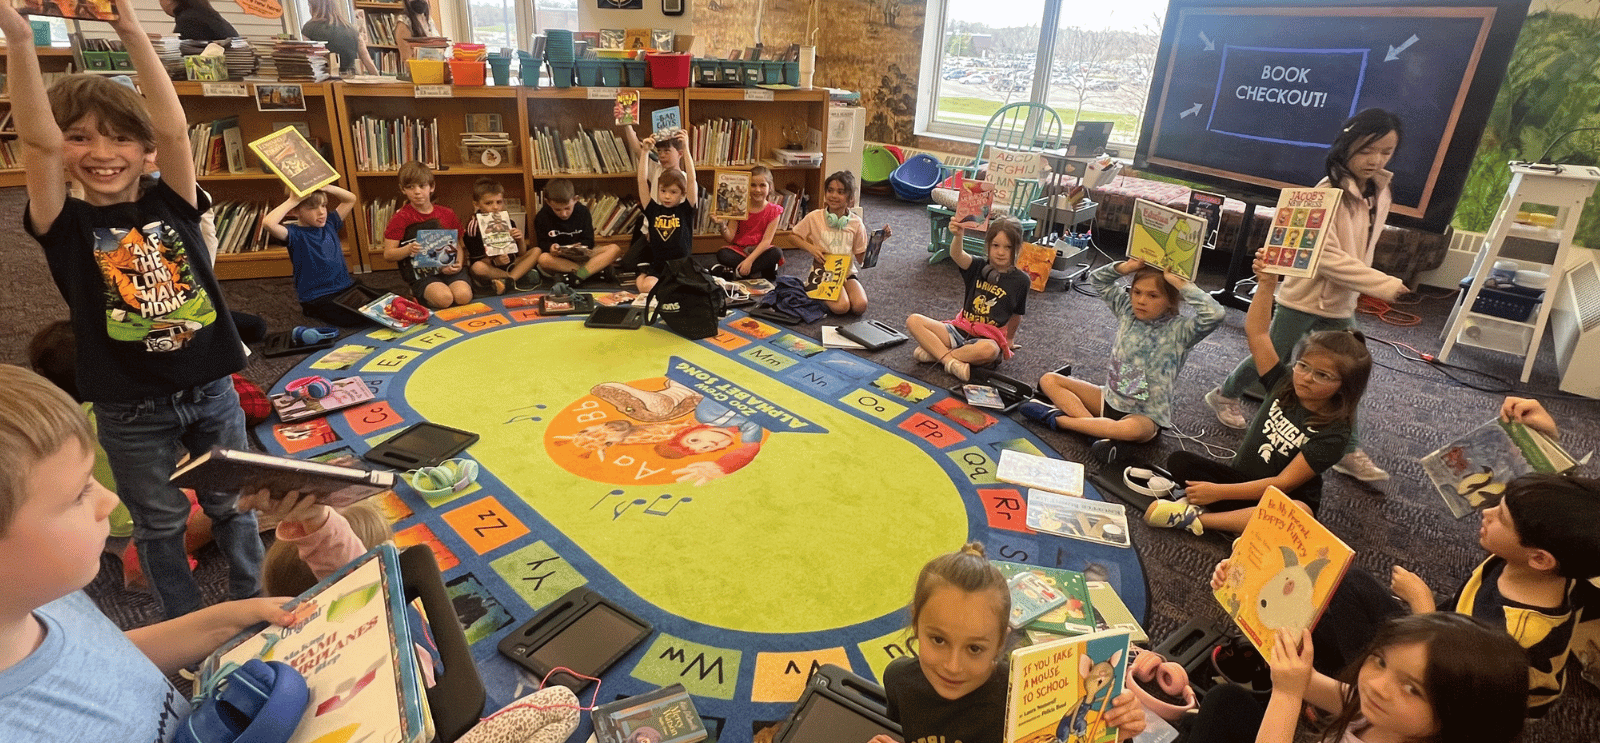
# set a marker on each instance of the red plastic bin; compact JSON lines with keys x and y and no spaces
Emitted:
{"x":669,"y":69}
{"x":466,"y":73}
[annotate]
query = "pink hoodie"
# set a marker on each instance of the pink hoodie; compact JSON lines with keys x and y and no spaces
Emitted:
{"x":1345,"y":270}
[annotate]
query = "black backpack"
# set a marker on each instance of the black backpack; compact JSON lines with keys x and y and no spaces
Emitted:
{"x":688,"y":299}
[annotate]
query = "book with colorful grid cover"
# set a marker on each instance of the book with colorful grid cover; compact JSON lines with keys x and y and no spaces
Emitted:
{"x":1300,"y":229}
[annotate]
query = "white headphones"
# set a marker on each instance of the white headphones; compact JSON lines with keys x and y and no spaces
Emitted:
{"x":1148,"y":482}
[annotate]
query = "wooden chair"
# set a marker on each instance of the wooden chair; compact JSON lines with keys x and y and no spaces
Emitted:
{"x":1023,"y":127}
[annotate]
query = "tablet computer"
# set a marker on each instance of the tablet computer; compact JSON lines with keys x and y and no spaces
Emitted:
{"x":622,"y":316}
{"x":838,"y":706}
{"x":424,"y":444}
{"x":582,"y":631}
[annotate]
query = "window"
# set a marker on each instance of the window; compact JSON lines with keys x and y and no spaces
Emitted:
{"x":510,"y":23}
{"x":1095,"y":64}
{"x":494,"y":22}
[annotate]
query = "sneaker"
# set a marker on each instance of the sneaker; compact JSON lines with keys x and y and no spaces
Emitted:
{"x":1358,"y":465}
{"x":499,"y":286}
{"x":1103,"y":451}
{"x":959,"y":369}
{"x":571,"y":279}
{"x":1167,"y":514}
{"x":724,"y":272}
{"x":1227,"y":408}
{"x":1040,"y":413}
{"x":527,"y":282}
{"x":922,"y":356}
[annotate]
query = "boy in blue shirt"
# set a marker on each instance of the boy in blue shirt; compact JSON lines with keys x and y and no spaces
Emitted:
{"x":155,"y":342}
{"x":320,"y":275}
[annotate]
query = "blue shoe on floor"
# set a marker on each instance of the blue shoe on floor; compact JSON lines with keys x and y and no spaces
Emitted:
{"x":1040,"y":413}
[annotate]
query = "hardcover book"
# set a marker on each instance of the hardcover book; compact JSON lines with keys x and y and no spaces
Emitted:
{"x":342,"y":393}
{"x":869,"y":258}
{"x":495,"y":229}
{"x":1282,"y":571}
{"x":666,"y":715}
{"x":377,"y":311}
{"x":973,"y":202}
{"x":825,"y":282}
{"x":1166,"y":238}
{"x":731,"y":195}
{"x":83,"y":10}
{"x":1112,"y":613}
{"x":1078,"y":518}
{"x":983,"y":396}
{"x":1471,"y":472}
{"x":1300,"y":229}
{"x":665,"y":122}
{"x":438,"y":249}
{"x":1036,"y":261}
{"x":1208,"y":205}
{"x":1073,"y":617}
{"x":1061,"y":690}
{"x":1031,"y":597}
{"x":294,"y":161}
{"x":1040,"y":473}
{"x":353,"y":644}
{"x":244,"y":472}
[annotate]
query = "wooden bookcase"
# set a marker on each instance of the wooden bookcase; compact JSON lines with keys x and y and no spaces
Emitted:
{"x":387,"y":14}
{"x":51,"y":59}
{"x":257,"y":183}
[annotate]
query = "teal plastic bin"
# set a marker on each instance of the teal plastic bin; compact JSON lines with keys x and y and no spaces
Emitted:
{"x":500,"y":69}
{"x":635,"y":73}
{"x":588,"y":73}
{"x":707,"y":71}
{"x":773,"y":72}
{"x":791,"y":73}
{"x":610,"y":72}
{"x":732,"y":71}
{"x":561,"y":75}
{"x":753,"y":72}
{"x":529,"y":71}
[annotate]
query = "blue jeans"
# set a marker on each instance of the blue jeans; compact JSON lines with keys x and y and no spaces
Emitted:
{"x":143,"y":439}
{"x":1288,"y":327}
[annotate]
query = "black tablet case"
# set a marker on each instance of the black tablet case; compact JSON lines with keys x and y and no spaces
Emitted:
{"x":622,"y":317}
{"x":875,"y":335}
{"x":433,"y":458}
{"x":1012,"y":391}
{"x":838,"y":706}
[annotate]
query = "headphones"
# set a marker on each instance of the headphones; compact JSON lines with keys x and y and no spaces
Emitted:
{"x":312,"y":336}
{"x":310,"y":388}
{"x":1150,"y":482}
{"x":451,"y":476}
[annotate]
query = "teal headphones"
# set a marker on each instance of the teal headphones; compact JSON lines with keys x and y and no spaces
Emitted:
{"x":451,"y":476}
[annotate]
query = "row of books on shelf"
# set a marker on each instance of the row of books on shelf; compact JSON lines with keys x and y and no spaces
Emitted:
{"x":10,"y":154}
{"x":218,"y":146}
{"x":380,"y":28}
{"x":587,"y":151}
{"x":612,"y":214}
{"x":726,"y":142}
{"x":239,"y":226}
{"x":387,"y":60}
{"x":379,"y":212}
{"x":382,"y":145}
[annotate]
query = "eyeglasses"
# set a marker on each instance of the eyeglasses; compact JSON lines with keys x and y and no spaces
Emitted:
{"x":1317,"y":375}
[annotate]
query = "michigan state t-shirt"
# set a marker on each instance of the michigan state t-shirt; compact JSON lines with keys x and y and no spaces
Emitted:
{"x":1281,"y":431}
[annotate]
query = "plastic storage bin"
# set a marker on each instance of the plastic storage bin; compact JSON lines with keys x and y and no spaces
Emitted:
{"x":669,"y":70}
{"x":635,"y":73}
{"x":561,"y":75}
{"x":489,"y":155}
{"x":1507,"y":303}
{"x":426,"y":71}
{"x":500,"y":70}
{"x":773,"y":72}
{"x":707,"y":71}
{"x":467,"y":73}
{"x":610,"y":72}
{"x":791,"y":73}
{"x":588,"y":72}
{"x":753,"y":72}
{"x":732,"y":71}
{"x":528,"y":69}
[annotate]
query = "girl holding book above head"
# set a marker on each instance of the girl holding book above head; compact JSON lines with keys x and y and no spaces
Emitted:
{"x":1301,"y":430}
{"x":954,"y":689}
{"x":1327,"y":301}
{"x":835,"y":230}
{"x":1152,"y":342}
{"x":996,"y":299}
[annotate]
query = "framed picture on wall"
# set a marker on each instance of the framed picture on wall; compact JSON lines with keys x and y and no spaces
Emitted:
{"x":621,"y":4}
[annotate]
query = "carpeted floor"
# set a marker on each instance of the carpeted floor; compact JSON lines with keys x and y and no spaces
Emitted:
{"x":1410,"y":410}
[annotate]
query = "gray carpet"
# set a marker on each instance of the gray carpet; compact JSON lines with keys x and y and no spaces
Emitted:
{"x":1410,"y":410}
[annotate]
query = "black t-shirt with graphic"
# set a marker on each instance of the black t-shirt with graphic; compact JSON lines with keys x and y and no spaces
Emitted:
{"x":926,"y":717}
{"x":993,"y":297}
{"x":669,"y":233}
{"x":1279,"y":432}
{"x":148,"y":314}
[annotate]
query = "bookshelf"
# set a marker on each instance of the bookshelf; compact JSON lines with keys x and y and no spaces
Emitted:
{"x":52,"y":59}
{"x":383,"y":34}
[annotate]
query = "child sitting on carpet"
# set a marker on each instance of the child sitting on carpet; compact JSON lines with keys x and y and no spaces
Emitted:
{"x":489,"y":197}
{"x":1299,"y":432}
{"x":1151,"y":345}
{"x":954,"y":689}
{"x":320,"y":274}
{"x":564,"y":232}
{"x":438,"y":287}
{"x":834,"y":230}
{"x":995,"y":301}
{"x":750,"y":252}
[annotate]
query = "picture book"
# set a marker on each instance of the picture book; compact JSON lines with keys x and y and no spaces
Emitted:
{"x":342,"y":393}
{"x":665,"y":122}
{"x":353,"y":644}
{"x":1166,"y":238}
{"x":825,"y":282}
{"x":438,"y":249}
{"x":626,"y":112}
{"x":495,"y":229}
{"x":1040,"y":473}
{"x":577,"y":252}
{"x":1062,"y":690}
{"x":1208,"y":205}
{"x":1075,"y":616}
{"x":1036,"y":261}
{"x":1472,"y":471}
{"x":615,"y":298}
{"x":378,"y":311}
{"x":636,"y":38}
{"x":1111,"y":612}
{"x":666,"y":715}
{"x":1282,"y":571}
{"x":832,"y":338}
{"x":1078,"y":518}
{"x":1300,"y":229}
{"x":973,"y":202}
{"x":612,"y":38}
{"x":1031,"y":598}
{"x":983,"y":396}
{"x":731,"y":195}
{"x":294,"y":161}
{"x":232,"y":471}
{"x":875,"y":241}
{"x":83,"y":10}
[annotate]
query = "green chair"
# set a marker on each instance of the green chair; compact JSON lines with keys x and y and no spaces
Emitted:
{"x":1018,"y":126}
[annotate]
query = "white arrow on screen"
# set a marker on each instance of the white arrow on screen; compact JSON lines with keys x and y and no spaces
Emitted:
{"x":1210,"y":45}
{"x":1190,"y":111}
{"x":1394,"y":51}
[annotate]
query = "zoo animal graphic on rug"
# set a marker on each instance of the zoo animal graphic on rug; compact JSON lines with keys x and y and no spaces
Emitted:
{"x":150,"y":293}
{"x":1098,"y":678}
{"x":1286,"y":599}
{"x":715,"y":428}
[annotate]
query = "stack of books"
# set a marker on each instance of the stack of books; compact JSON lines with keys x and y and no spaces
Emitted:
{"x":218,"y":146}
{"x":296,"y":59}
{"x":612,"y":215}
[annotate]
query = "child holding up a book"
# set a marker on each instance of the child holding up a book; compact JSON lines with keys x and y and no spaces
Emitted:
{"x":835,"y":230}
{"x":955,"y":687}
{"x":564,"y":232}
{"x":1151,"y":345}
{"x":1300,"y":431}
{"x":320,"y":274}
{"x":750,"y":252}
{"x":438,"y":287}
{"x":500,"y":272}
{"x":669,"y":217}
{"x":996,"y":299}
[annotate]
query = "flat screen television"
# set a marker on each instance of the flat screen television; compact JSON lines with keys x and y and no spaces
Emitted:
{"x":1247,"y":95}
